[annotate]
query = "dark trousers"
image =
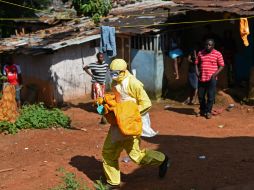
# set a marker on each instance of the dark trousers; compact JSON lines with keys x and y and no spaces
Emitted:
{"x":206,"y":95}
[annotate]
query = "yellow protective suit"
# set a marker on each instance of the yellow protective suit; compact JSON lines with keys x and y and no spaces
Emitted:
{"x":126,"y":88}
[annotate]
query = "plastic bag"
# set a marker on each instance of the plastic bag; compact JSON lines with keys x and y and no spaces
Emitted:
{"x":147,"y":130}
{"x":100,"y":109}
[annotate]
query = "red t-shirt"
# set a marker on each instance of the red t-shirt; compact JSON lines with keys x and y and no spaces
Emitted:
{"x":208,"y":63}
{"x":12,"y":72}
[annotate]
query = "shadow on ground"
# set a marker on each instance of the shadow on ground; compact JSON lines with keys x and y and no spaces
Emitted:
{"x":88,"y":165}
{"x":185,"y":111}
{"x":84,"y":106}
{"x":228,"y":164}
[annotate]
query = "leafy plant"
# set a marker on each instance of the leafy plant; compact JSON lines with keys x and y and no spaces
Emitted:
{"x":100,"y":186}
{"x":93,"y":8}
{"x":36,"y":116}
{"x":70,"y":182}
{"x":2,"y":78}
{"x":8,"y":127}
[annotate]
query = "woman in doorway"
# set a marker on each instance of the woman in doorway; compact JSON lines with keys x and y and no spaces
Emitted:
{"x":175,"y":53}
{"x":192,"y":76}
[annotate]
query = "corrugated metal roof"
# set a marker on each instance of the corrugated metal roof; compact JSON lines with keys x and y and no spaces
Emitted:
{"x":71,"y":42}
{"x":140,"y":17}
{"x":74,"y":32}
{"x":81,"y":30}
{"x":241,"y":7}
{"x":141,"y":6}
{"x":138,"y":22}
{"x":135,"y":18}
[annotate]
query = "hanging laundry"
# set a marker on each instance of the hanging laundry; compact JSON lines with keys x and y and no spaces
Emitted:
{"x":108,"y":41}
{"x":244,"y":30}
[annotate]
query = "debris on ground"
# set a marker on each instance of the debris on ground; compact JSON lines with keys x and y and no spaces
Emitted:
{"x":126,"y":159}
{"x":223,"y":98}
{"x":6,"y":170}
{"x":167,"y":106}
{"x":202,"y":157}
{"x":83,"y":129}
{"x":230,"y":107}
{"x":217,"y":111}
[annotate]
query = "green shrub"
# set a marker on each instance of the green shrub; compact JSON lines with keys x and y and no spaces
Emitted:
{"x":93,"y":8}
{"x":36,"y":116}
{"x":8,"y":127}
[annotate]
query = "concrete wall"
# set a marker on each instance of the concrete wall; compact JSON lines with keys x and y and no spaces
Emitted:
{"x":58,"y":76}
{"x":149,"y":70}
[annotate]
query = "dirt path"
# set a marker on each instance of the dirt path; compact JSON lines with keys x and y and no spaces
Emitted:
{"x":226,"y":141}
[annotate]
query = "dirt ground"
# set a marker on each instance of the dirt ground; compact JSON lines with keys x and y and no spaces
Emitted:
{"x":226,"y":141}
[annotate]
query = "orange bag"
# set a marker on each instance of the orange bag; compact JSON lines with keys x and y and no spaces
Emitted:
{"x":128,"y":118}
{"x":125,"y":115}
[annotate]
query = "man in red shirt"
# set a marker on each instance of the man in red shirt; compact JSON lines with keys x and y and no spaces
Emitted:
{"x":13,"y":74}
{"x":209,"y":64}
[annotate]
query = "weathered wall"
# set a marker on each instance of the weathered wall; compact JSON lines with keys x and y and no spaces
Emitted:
{"x":70,"y":81}
{"x":35,"y":71}
{"x":58,"y":76}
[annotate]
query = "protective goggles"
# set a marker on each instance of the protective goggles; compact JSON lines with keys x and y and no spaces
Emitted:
{"x":115,"y":73}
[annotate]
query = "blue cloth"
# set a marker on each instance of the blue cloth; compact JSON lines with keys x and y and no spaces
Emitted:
{"x":108,"y":41}
{"x":193,"y":80}
{"x":175,"y":53}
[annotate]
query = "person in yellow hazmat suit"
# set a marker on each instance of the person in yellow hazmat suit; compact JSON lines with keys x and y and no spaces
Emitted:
{"x":127,"y":88}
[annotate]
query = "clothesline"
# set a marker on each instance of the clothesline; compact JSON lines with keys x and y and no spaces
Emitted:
{"x":147,"y":25}
{"x":184,"y":22}
{"x":129,"y":26}
{"x":17,"y":5}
